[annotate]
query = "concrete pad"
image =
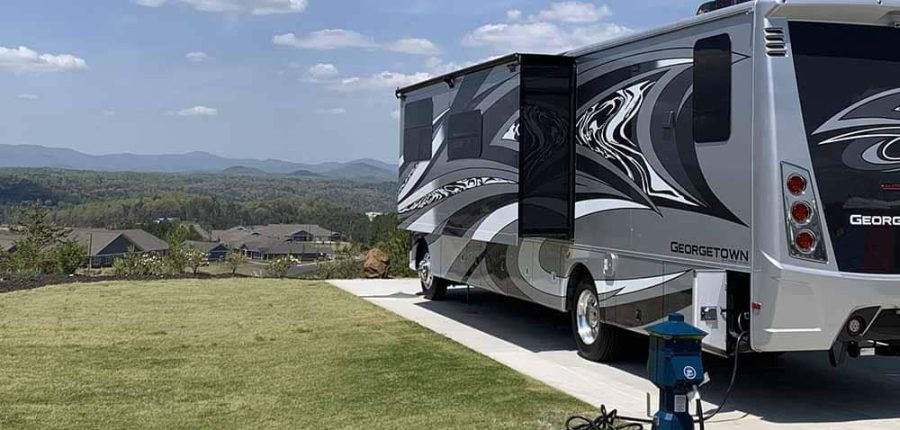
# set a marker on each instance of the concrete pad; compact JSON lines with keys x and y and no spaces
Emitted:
{"x":793,"y":391}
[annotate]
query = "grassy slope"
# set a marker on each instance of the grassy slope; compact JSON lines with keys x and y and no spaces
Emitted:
{"x":245,"y":354}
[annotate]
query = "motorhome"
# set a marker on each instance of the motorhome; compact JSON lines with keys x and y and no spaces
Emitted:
{"x":741,"y":167}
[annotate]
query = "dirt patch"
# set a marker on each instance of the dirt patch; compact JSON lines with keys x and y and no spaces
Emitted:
{"x":10,"y":284}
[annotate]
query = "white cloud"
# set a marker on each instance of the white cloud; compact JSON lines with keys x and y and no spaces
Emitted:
{"x":380,"y":81}
{"x":195,"y":111}
{"x":413,"y":46}
{"x":575,"y":12}
{"x":337,"y":38}
{"x":197,"y":57}
{"x":150,"y":3}
{"x":254,"y":7}
{"x":26,"y":96}
{"x":395,"y":114}
{"x":514,"y":15}
{"x":322,"y":72}
{"x":332,"y":111}
{"x":540,"y":37}
{"x":325,"y":40}
{"x":26,"y":60}
{"x":109,"y":113}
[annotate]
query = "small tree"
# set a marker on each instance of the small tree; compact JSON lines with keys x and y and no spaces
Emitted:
{"x":280,"y":267}
{"x":195,"y":259}
{"x":70,"y":256}
{"x":45,"y":247}
{"x":234,"y":260}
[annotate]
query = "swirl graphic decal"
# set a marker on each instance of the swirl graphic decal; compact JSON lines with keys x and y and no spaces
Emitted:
{"x":874,"y":147}
{"x":605,"y":128}
{"x":452,"y":189}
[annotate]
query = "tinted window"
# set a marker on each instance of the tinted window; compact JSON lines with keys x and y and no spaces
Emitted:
{"x":546,"y":151}
{"x":712,"y":89}
{"x":464,"y":135}
{"x":417,"y":130}
{"x":842,"y":66}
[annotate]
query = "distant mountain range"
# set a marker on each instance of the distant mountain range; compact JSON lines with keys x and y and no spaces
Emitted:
{"x":199,"y":162}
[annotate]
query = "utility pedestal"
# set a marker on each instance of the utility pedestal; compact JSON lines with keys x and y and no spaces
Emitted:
{"x":675,"y":365}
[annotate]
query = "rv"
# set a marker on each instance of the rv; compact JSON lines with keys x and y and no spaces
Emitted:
{"x":741,"y":168}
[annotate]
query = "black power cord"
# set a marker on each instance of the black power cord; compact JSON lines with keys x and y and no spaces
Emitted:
{"x":607,"y":420}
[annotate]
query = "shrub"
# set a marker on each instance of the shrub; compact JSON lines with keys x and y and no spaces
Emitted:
{"x":139,"y":265}
{"x":176,"y":260}
{"x":70,"y":256}
{"x":280,"y":267}
{"x":195,"y":258}
{"x":234,"y":260}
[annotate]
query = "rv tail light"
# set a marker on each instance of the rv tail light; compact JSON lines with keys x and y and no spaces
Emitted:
{"x":856,"y":326}
{"x":803,"y":229}
{"x":796,"y":184}
{"x":805,"y":241}
{"x":801,"y":212}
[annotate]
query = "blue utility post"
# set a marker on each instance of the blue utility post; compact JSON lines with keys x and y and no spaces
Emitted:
{"x":675,"y":365}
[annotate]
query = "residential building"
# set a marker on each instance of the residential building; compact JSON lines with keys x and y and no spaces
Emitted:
{"x":105,"y":246}
{"x":265,"y":242}
{"x":215,"y":251}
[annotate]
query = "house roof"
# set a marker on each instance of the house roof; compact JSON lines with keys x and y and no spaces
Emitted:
{"x":237,"y":236}
{"x":205,"y":246}
{"x":99,"y":239}
{"x":287,"y":230}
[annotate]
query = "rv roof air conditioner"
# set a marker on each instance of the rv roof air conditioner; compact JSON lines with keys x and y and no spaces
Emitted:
{"x":717,"y":4}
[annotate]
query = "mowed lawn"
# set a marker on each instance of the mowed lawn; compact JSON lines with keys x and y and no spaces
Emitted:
{"x":246,"y":353}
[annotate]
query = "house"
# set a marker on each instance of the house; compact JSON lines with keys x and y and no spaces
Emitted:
{"x":105,"y":246}
{"x":303,"y":241}
{"x":289,"y":232}
{"x":215,"y":251}
{"x":272,"y":248}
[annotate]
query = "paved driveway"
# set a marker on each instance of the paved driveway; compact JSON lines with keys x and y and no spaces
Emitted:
{"x":798,"y":391}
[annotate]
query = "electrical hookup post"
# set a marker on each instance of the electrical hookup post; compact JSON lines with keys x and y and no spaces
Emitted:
{"x":675,"y":366}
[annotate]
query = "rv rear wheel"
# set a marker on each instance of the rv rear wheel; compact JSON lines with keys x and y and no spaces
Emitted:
{"x":597,"y":341}
{"x":433,"y":288}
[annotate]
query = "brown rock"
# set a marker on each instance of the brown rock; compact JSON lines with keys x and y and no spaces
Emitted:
{"x":378,"y":264}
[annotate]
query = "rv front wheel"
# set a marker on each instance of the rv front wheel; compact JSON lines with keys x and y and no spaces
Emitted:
{"x":433,"y":288}
{"x":597,"y":341}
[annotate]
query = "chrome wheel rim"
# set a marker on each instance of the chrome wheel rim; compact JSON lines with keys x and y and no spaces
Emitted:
{"x":587,"y":317}
{"x":425,"y":274}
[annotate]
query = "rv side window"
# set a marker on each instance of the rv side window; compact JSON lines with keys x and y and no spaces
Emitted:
{"x":417,"y":129}
{"x":464,"y":135}
{"x":712,"y":89}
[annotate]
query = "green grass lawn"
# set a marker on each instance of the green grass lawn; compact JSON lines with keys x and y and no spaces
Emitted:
{"x":246,"y":353}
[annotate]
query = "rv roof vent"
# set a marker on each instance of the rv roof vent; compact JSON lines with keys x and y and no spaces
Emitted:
{"x":717,"y":4}
{"x":775,"y":46}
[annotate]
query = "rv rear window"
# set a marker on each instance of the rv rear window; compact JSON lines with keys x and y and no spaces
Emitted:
{"x":417,"y":130}
{"x":464,"y":135}
{"x":712,"y":89}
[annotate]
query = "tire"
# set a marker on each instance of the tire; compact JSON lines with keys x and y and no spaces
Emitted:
{"x":597,"y":341}
{"x":433,"y":288}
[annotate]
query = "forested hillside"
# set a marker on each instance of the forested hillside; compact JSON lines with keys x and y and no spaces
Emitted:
{"x":100,"y":199}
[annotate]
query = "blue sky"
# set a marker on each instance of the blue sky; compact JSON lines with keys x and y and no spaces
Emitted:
{"x":300,"y":80}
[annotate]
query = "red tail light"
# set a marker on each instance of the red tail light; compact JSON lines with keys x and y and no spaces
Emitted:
{"x":801,"y":212}
{"x":796,"y":184}
{"x":806,"y":241}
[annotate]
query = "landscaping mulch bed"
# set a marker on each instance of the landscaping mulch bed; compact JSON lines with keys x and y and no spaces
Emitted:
{"x":10,"y":284}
